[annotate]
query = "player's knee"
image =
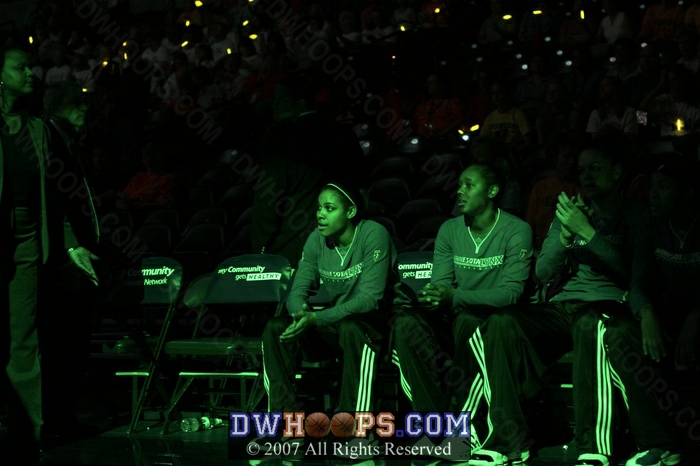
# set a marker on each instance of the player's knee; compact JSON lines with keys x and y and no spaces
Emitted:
{"x":405,"y":327}
{"x":464,"y":326}
{"x":617,"y":338}
{"x":350,"y":329}
{"x":502,"y":321}
{"x":588,"y":323}
{"x":276,"y":326}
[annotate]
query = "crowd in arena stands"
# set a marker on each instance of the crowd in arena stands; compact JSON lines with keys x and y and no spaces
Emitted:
{"x":521,"y":72}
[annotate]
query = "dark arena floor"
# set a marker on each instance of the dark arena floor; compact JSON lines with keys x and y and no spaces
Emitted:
{"x":105,"y":406}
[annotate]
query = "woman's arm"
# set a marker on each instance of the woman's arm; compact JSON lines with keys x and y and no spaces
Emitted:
{"x":306,"y":276}
{"x":552,"y":258}
{"x":378,"y":255}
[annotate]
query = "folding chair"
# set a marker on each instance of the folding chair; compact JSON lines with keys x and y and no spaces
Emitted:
{"x":239,"y":289}
{"x":415,"y":269}
{"x":156,"y":281}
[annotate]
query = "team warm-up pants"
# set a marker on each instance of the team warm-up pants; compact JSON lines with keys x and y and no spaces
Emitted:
{"x":517,"y":344}
{"x":422,"y":341}
{"x":20,"y":277}
{"x":650,"y":398}
{"x":354,"y":339}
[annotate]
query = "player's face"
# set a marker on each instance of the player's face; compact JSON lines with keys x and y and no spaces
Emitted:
{"x":598,"y":175}
{"x":663,"y":195}
{"x":332,"y":217}
{"x":473,"y":192}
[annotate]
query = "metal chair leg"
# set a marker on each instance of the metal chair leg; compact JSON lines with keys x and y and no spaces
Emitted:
{"x":180,"y":390}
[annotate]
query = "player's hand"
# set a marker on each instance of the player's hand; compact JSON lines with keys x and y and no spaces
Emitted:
{"x":436,"y":296}
{"x":302,"y":321}
{"x":652,"y":334}
{"x":572,"y":215}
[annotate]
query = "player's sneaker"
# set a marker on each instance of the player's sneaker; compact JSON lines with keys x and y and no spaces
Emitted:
{"x":493,"y":458}
{"x":654,"y":457}
{"x":592,"y":459}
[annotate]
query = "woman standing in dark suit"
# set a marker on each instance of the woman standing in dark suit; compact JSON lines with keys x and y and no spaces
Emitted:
{"x":65,"y":337}
{"x":32,"y":227}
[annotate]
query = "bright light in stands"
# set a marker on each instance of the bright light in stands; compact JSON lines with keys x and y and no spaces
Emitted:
{"x":437,"y":10}
{"x":583,"y":16}
{"x":245,"y":23}
{"x":187,"y":23}
{"x":228,"y":51}
{"x":507,"y":17}
{"x":548,"y":39}
{"x":198,"y":3}
{"x":613,"y":59}
{"x":402,"y":28}
{"x":643,"y":45}
{"x":568,"y":63}
{"x":474,"y":46}
{"x":524,"y":67}
{"x":184,"y":44}
{"x":31,"y":40}
{"x":518,"y":56}
{"x":253,"y":36}
{"x":560,"y":53}
{"x":474,"y":128}
{"x":85,"y":89}
{"x":537,"y":12}
{"x":124,"y":44}
{"x":510,"y":42}
{"x":465,"y":137}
